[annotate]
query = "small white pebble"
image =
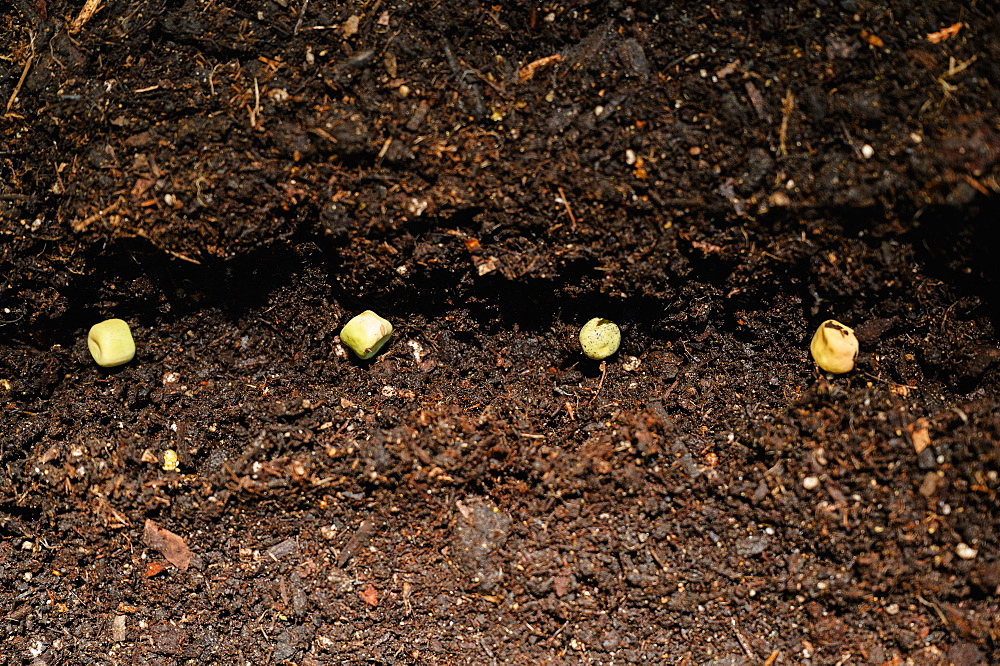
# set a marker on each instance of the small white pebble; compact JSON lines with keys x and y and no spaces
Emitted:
{"x":404,"y":90}
{"x":598,"y":110}
{"x":867,"y":151}
{"x":417,"y":350}
{"x":631,"y":364}
{"x":965,"y":551}
{"x":810,"y":482}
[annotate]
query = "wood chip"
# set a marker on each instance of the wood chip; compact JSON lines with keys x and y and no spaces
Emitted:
{"x":706,"y":247}
{"x":919,"y":435}
{"x":173,"y":547}
{"x":944,"y":33}
{"x":369,"y":595}
{"x":350,"y":26}
{"x":156,"y":567}
{"x":364,"y":532}
{"x":872,"y":39}
{"x":118,"y":629}
{"x":528,"y":71}
{"x":89,"y":9}
{"x":757,"y":100}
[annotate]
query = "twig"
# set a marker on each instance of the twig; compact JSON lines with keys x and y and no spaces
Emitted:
{"x":255,"y":111}
{"x":604,"y":373}
{"x":486,"y":649}
{"x":743,"y":641}
{"x":20,"y":82}
{"x":558,"y":631}
{"x":787,"y":106}
{"x":183,"y":257}
{"x":470,"y":90}
{"x":89,"y":220}
{"x":89,"y":9}
{"x":670,"y":389}
{"x":890,"y":382}
{"x":569,"y":211}
{"x":302,"y":15}
{"x":937,"y":610}
{"x":211,"y":82}
{"x":528,"y":71}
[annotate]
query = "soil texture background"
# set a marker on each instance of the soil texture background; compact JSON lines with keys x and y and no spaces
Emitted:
{"x":239,"y":179}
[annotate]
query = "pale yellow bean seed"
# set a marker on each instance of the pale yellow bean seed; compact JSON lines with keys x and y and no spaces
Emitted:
{"x":600,"y":338}
{"x":111,"y":343}
{"x":834,"y":347}
{"x":366,"y":334}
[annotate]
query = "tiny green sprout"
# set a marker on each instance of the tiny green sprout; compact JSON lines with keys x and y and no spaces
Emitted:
{"x":366,"y":334}
{"x":834,"y":347}
{"x":111,"y":343}
{"x":600,"y":338}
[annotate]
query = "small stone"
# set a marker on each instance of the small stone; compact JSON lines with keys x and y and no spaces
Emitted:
{"x":926,"y":459}
{"x":810,"y":482}
{"x":929,"y":484}
{"x":118,"y":634}
{"x":964,"y":654}
{"x":631,"y":364}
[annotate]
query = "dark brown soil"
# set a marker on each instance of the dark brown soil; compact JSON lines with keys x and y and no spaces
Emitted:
{"x":238,"y":179}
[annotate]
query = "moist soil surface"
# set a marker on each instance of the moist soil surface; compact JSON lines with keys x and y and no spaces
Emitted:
{"x":239,"y":179}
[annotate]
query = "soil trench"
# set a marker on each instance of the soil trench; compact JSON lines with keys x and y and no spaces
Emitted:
{"x":238,"y":180}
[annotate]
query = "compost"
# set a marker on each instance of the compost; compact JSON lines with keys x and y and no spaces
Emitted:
{"x":237,"y":180}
